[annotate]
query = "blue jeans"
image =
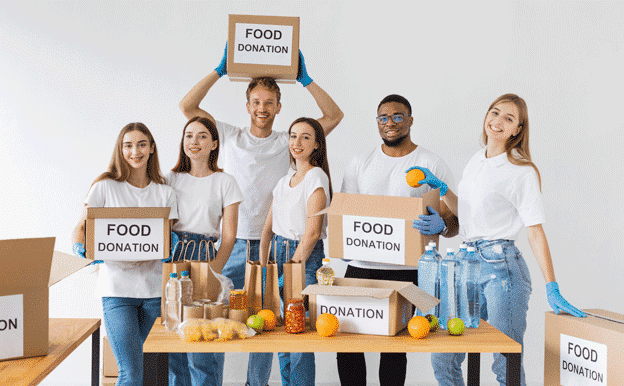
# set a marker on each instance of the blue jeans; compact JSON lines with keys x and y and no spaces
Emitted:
{"x":297,"y":368}
{"x":193,"y":369}
{"x":505,"y":288}
{"x":128,"y":321}
{"x":259,"y":367}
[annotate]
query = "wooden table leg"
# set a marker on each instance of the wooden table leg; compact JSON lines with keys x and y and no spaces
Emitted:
{"x":95,"y":358}
{"x":155,"y":369}
{"x":513,"y":368}
{"x":474,"y":369}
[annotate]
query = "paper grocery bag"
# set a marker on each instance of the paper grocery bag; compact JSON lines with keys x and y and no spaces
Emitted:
{"x":294,"y":280}
{"x":271,"y":297}
{"x":205,"y":283}
{"x":253,"y":286}
{"x":177,"y":265}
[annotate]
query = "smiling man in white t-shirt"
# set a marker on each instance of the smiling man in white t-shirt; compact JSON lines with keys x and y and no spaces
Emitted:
{"x":257,"y":157}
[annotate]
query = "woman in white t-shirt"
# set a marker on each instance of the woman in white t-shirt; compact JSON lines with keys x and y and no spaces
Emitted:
{"x":130,"y":290}
{"x":290,"y":230}
{"x":499,"y":194}
{"x":208,"y":201}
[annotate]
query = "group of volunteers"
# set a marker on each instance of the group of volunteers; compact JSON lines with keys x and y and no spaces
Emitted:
{"x":261,"y":204}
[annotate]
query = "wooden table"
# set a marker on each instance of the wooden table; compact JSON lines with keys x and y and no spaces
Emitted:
{"x":64,"y":336}
{"x":485,"y":339}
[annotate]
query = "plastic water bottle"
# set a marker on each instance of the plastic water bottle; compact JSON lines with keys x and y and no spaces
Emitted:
{"x":469,"y":307}
{"x":325,"y":274}
{"x":449,"y":286}
{"x":173,"y":302}
{"x":463,"y":251}
{"x":435,"y":250}
{"x":187,"y":289}
{"x":429,"y":278}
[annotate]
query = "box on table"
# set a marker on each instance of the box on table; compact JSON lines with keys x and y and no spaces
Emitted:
{"x":263,"y":46}
{"x":128,"y":234}
{"x":29,"y":268}
{"x":109,"y":364}
{"x":584,"y":351}
{"x":378,"y":228}
{"x":363,"y":306}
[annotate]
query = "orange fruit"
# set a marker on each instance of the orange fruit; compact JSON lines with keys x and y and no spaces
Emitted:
{"x":413,"y":176}
{"x":327,"y":324}
{"x":269,"y":319}
{"x":418,"y":327}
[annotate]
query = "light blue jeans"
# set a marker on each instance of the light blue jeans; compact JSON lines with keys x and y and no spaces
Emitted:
{"x":259,"y":367}
{"x":505,"y":288}
{"x":195,"y":369}
{"x":296,"y":368}
{"x":128,"y":321}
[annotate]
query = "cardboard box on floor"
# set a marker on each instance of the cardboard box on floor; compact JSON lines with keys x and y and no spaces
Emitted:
{"x":29,"y":268}
{"x":378,"y":228}
{"x":109,"y":364}
{"x":584,"y":351}
{"x":263,"y":46}
{"x":362,"y":306}
{"x":120,"y":234}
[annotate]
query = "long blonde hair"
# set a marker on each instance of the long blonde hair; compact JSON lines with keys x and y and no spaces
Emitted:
{"x":119,"y":170}
{"x":522,"y":155}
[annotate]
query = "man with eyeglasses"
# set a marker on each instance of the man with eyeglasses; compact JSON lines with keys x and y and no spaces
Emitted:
{"x":381,"y":171}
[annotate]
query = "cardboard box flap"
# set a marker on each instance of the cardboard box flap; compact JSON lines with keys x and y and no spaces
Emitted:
{"x":422,"y":300}
{"x":64,"y":265}
{"x":377,"y":293}
{"x":606,"y":316}
{"x":26,"y":262}
{"x":150,"y":212}
{"x":369,"y":205}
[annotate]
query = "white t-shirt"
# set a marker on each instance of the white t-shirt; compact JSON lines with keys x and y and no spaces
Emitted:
{"x":256,"y":164}
{"x":141,"y":279}
{"x":290,"y":205}
{"x":497,"y":198}
{"x":201,"y":201}
{"x":379,"y":174}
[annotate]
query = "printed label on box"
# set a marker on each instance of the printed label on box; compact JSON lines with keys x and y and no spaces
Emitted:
{"x":582,"y":362}
{"x":374,"y":239}
{"x":263,"y":44}
{"x":11,"y":326}
{"x":116,"y":238}
{"x":362,"y":315}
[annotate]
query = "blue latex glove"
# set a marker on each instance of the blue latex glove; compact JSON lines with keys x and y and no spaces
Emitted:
{"x":222,"y":67}
{"x":429,"y":225}
{"x":174,"y":244}
{"x":302,"y":72}
{"x":79,"y":251}
{"x":558,"y":303}
{"x":431,"y":180}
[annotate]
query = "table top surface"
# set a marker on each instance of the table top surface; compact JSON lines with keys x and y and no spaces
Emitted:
{"x":64,"y":336}
{"x":484,"y":339}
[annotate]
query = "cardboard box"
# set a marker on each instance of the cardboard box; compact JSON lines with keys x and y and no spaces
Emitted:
{"x":29,"y":267}
{"x":128,"y":234}
{"x":584,"y":351}
{"x":263,"y":46}
{"x":109,"y":381}
{"x":109,"y":364}
{"x":362,"y":306}
{"x":378,"y":228}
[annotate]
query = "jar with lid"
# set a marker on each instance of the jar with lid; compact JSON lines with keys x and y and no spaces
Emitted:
{"x":238,"y":299}
{"x":294,"y":318}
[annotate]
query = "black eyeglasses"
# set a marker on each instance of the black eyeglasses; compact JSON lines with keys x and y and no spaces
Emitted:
{"x":396,"y":118}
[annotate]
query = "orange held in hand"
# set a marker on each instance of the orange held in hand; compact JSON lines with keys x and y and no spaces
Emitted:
{"x":327,"y":325}
{"x":413,"y":176}
{"x":418,"y":327}
{"x":269,"y":319}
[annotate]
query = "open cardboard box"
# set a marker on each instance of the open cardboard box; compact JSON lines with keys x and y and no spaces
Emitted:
{"x":584,"y":351}
{"x":121,"y":234}
{"x":378,"y":228}
{"x":29,"y":268}
{"x":263,"y":46}
{"x":362,"y":306}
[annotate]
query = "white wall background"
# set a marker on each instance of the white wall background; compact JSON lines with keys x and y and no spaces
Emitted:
{"x":72,"y":74}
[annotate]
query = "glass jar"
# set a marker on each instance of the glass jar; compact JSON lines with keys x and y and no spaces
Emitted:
{"x":294,"y":320}
{"x":238,"y":300}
